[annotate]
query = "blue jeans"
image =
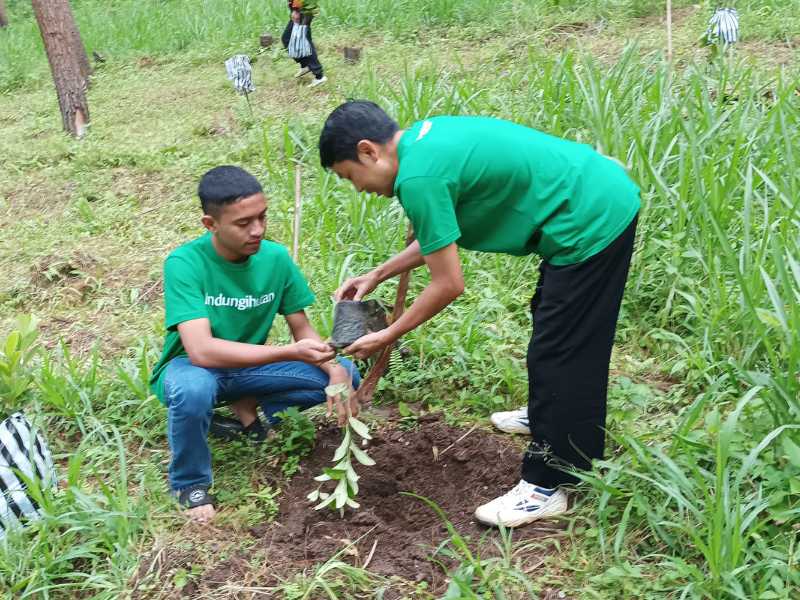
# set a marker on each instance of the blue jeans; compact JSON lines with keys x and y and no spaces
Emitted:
{"x":191,"y":394}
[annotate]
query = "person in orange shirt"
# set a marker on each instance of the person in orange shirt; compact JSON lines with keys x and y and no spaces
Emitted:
{"x":298,"y":42}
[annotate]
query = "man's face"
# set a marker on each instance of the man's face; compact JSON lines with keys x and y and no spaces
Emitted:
{"x":374,"y":172}
{"x":239,"y":227}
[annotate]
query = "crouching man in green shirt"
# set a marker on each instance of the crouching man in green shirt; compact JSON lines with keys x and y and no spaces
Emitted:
{"x":222,"y":292}
{"x":494,"y":186}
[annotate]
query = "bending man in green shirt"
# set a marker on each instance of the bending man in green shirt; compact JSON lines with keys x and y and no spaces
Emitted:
{"x":222,"y":292}
{"x":495,"y":186}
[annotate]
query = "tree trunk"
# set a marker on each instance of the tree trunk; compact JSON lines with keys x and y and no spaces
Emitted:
{"x":3,"y":15}
{"x":79,"y":51}
{"x":58,"y":29}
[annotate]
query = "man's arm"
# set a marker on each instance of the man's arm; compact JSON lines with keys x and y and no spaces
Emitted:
{"x":410,"y":258}
{"x":205,"y":350}
{"x":358,"y":287}
{"x":447,"y":284}
{"x":302,"y":330}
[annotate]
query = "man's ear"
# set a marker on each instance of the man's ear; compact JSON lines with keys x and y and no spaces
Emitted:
{"x":368,"y":148}
{"x":209,"y":223}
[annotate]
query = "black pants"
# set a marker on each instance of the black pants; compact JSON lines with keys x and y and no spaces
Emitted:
{"x":575,"y":310}
{"x":311,"y":62}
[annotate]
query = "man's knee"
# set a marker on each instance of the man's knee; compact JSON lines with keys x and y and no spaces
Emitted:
{"x":190,"y":392}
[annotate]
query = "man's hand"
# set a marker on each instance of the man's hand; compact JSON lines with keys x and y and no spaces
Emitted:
{"x":340,"y":375}
{"x":369,"y":344}
{"x":356,"y":288}
{"x":313,"y":352}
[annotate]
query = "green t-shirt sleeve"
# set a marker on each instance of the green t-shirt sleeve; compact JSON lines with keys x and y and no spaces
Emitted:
{"x":296,"y":293}
{"x":183,"y":294}
{"x":430,"y":206}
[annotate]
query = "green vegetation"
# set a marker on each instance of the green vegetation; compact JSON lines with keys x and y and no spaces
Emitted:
{"x":700,"y":494}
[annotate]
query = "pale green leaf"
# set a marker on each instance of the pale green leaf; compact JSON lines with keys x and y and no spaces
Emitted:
{"x":360,"y":428}
{"x":341,"y":451}
{"x":361,"y":456}
{"x":336,"y":389}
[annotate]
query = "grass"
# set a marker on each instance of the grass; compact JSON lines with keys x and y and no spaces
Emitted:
{"x":698,"y":497}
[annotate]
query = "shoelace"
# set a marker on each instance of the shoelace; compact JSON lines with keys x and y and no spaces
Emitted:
{"x":518,"y":491}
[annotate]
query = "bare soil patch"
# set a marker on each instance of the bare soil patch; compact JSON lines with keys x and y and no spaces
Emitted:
{"x":392,"y":534}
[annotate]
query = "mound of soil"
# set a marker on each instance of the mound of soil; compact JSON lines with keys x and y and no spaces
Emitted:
{"x":458,"y":469}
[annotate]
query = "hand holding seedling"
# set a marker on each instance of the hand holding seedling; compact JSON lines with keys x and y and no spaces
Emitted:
{"x":312,"y":351}
{"x":340,"y":393}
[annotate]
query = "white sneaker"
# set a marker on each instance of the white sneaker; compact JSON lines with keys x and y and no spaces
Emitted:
{"x":512,"y":421}
{"x":302,"y":71}
{"x":317,"y":82}
{"x":524,"y":504}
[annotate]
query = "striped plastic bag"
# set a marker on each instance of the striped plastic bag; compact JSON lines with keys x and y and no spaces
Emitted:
{"x":24,"y":451}
{"x":240,"y":73}
{"x":723,"y":27}
{"x":299,"y":46}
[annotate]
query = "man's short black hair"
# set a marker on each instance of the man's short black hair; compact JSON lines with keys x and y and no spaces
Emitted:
{"x":225,"y":185}
{"x":351,"y":122}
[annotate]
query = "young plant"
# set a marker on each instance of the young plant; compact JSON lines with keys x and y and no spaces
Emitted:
{"x":16,"y":352}
{"x":343,"y":472}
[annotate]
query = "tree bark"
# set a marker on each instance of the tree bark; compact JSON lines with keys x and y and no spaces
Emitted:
{"x":79,"y":51}
{"x":58,"y":29}
{"x":3,"y":15}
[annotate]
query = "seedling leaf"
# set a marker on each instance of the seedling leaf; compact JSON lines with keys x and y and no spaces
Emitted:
{"x":361,"y":456}
{"x":360,"y":428}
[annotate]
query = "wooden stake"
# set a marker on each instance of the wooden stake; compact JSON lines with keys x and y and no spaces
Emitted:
{"x":367,"y":388}
{"x":298,"y":207}
{"x":669,"y":30}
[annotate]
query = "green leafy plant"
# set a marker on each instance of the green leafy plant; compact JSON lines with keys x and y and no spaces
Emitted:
{"x":16,"y":352}
{"x":296,"y":438}
{"x":343,"y":472}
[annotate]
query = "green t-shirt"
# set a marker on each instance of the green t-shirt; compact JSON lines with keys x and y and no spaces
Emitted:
{"x":496,"y":186}
{"x":239,"y":299}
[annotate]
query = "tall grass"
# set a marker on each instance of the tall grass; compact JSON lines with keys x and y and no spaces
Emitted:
{"x":714,"y":294}
{"x":216,"y":28}
{"x":704,"y":509}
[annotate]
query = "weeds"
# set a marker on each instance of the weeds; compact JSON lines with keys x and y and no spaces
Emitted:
{"x":699,"y":495}
{"x":295,"y":439}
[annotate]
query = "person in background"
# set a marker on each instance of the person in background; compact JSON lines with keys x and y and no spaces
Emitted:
{"x":298,"y":42}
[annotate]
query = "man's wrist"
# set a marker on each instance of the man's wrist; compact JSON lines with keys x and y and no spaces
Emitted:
{"x":330,"y":367}
{"x":391,"y":334}
{"x":378,"y":275}
{"x":282,"y":353}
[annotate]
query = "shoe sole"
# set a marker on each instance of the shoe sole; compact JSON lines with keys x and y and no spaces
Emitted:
{"x":299,"y":75}
{"x":553,"y":511}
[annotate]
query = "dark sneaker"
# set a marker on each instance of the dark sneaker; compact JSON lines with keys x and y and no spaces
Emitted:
{"x":225,"y":428}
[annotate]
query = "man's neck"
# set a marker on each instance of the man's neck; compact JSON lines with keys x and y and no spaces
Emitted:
{"x":225,"y":253}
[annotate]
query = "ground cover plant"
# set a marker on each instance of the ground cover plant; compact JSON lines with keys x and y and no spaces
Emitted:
{"x":698,"y":496}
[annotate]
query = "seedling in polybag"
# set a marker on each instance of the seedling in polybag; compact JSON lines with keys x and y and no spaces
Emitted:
{"x":342,"y":472}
